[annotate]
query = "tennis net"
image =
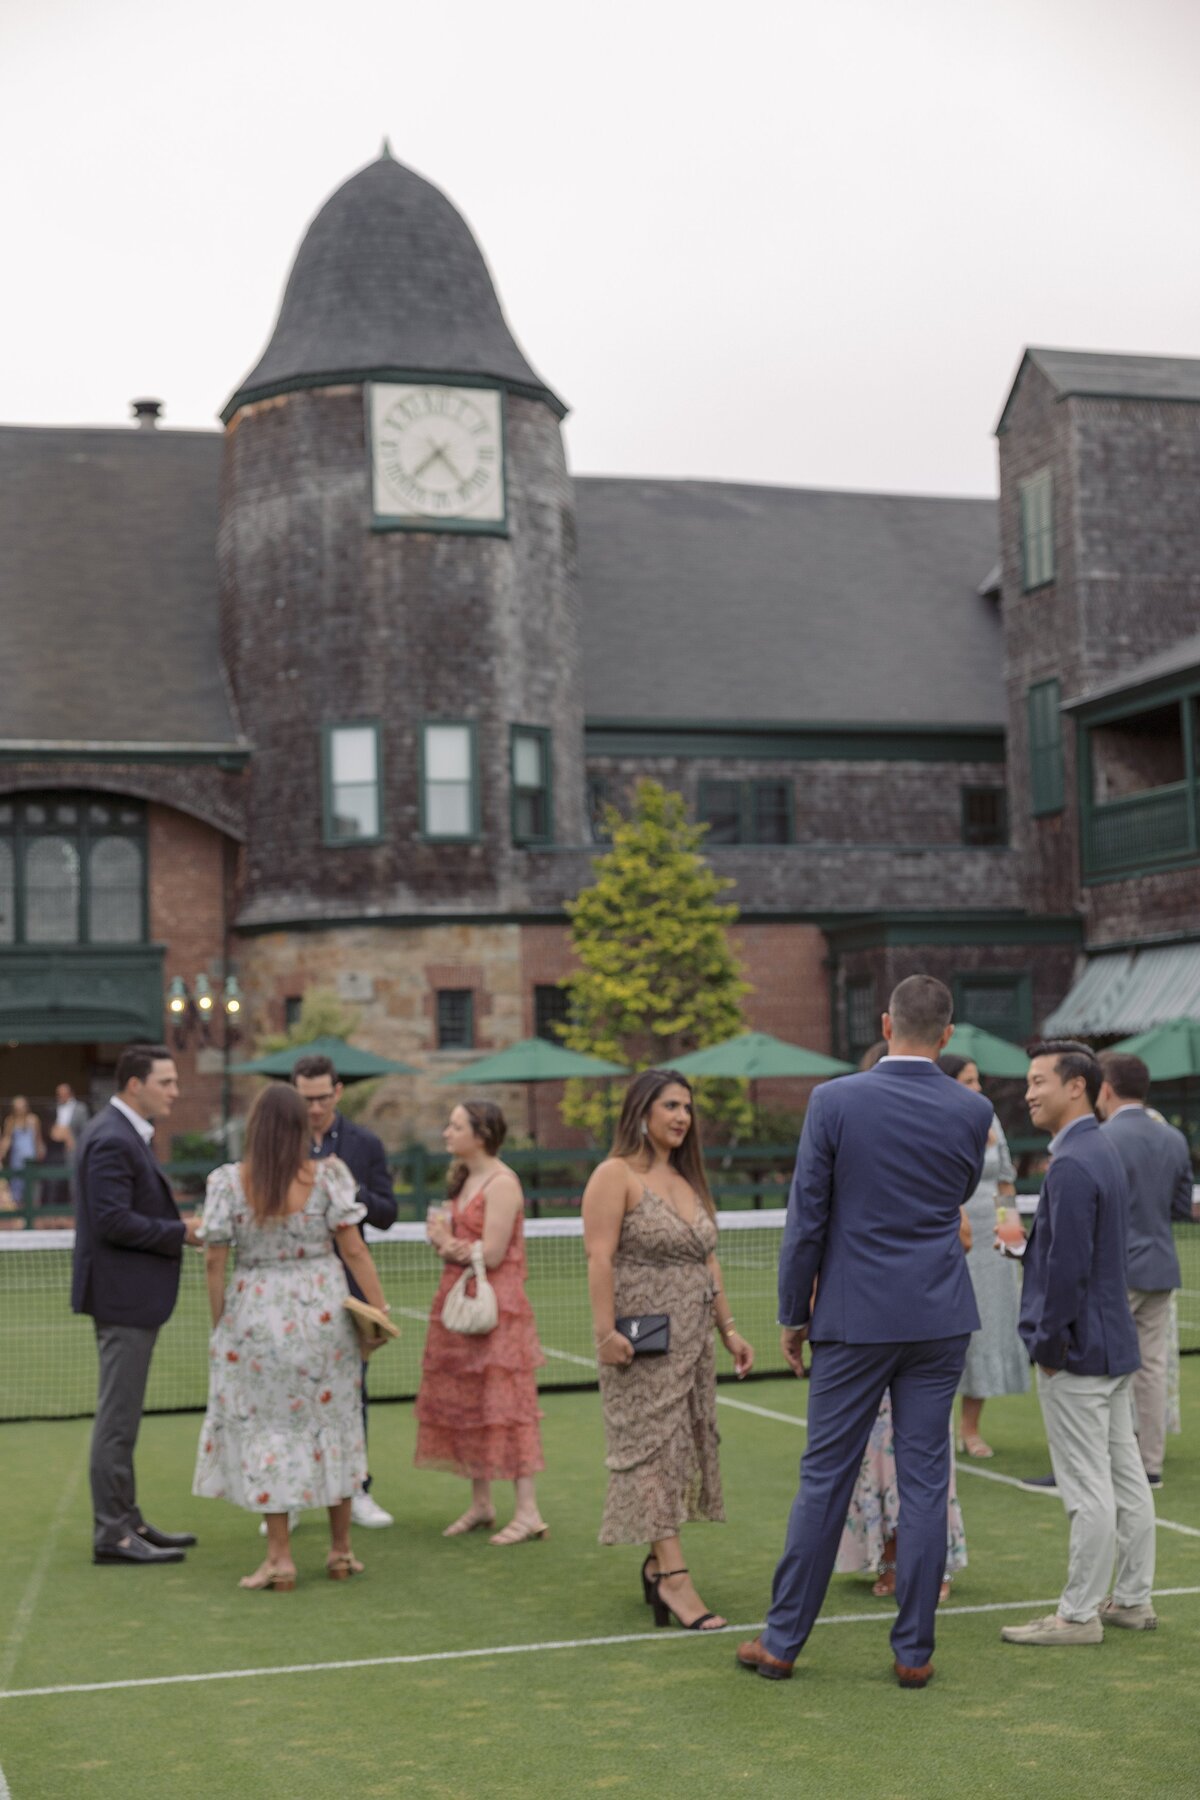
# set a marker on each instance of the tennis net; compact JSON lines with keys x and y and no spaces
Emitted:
{"x":48,"y":1355}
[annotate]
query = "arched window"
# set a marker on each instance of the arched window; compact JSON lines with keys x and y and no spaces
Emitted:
{"x":72,"y":870}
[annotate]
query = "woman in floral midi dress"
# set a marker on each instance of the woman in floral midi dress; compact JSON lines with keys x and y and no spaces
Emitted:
{"x":284,"y":1428}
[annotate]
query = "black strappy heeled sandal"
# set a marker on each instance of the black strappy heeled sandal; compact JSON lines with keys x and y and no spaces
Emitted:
{"x":664,"y":1612}
{"x":649,"y":1582}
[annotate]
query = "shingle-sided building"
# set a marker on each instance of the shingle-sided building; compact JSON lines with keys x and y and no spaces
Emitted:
{"x":334,"y":697}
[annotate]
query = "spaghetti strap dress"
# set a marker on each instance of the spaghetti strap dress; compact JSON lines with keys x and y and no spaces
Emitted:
{"x":660,"y":1412}
{"x":477,"y":1409}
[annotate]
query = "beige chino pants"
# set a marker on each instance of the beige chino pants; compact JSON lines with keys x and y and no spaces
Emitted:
{"x":1099,"y":1474}
{"x":1151,"y":1309}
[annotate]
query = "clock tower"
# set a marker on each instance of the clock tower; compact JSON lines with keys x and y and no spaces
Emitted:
{"x":400,"y":604}
{"x":397,"y":554}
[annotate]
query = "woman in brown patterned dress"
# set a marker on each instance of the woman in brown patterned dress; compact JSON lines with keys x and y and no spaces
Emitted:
{"x":649,"y":1229}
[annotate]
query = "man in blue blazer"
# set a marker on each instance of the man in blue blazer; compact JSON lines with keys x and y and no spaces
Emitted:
{"x":887,"y":1159}
{"x":1158,"y":1170}
{"x":1077,"y":1327}
{"x":129,"y":1241}
{"x":316,"y":1081}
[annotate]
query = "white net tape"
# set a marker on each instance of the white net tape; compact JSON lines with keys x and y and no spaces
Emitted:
{"x":48,"y":1357}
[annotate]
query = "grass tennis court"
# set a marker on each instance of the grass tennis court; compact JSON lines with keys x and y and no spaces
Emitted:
{"x":662,"y":1713}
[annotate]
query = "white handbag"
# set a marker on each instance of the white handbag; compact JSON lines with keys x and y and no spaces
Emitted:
{"x":473,"y":1314}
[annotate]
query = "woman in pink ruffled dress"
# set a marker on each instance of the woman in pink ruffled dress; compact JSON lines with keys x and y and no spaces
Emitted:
{"x":477,"y":1411}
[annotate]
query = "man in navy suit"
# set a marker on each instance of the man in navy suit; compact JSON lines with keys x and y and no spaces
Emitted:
{"x":1078,"y":1329}
{"x":316,"y":1081}
{"x":129,"y":1241}
{"x":1158,"y":1169}
{"x":887,"y":1160}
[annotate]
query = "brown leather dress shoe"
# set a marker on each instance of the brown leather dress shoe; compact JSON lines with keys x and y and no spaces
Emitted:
{"x":758,"y":1660}
{"x":913,"y":1678}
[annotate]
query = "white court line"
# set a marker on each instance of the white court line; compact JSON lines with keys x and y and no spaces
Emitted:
{"x":582,"y":1362}
{"x":762,"y":1412}
{"x":5,"y":1790}
{"x":436,"y":1656}
{"x":23,"y":1617}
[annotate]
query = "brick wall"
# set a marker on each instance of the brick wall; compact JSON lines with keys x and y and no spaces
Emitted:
{"x":190,"y":869}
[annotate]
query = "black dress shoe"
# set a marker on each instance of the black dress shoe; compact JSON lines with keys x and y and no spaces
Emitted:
{"x":135,"y":1549}
{"x":165,"y":1540}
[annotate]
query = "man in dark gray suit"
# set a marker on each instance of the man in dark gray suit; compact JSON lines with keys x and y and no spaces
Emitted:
{"x":129,"y":1241}
{"x":1158,"y":1169}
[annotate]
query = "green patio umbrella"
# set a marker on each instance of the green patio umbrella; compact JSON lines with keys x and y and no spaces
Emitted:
{"x":351,"y":1063}
{"x":531,"y":1061}
{"x":756,"y":1056}
{"x":991,"y":1055}
{"x":1171,"y":1052}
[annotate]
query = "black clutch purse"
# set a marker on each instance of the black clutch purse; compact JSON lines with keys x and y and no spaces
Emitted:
{"x":650,"y":1334}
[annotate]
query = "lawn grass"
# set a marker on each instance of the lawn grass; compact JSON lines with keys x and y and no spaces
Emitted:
{"x":666,"y":1714}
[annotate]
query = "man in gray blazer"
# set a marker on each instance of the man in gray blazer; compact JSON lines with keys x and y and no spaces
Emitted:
{"x":1158,"y":1169}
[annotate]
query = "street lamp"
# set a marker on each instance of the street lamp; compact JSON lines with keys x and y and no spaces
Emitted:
{"x":194,"y":1009}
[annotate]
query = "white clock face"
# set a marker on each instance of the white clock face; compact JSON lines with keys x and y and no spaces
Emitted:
{"x":437,"y":454}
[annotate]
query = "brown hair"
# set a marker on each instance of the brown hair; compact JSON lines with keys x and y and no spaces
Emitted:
{"x":137,"y":1060}
{"x":276,"y":1149}
{"x":629,"y":1140}
{"x":1127,"y":1076}
{"x":875,"y":1054}
{"x":311,"y":1068}
{"x":490,"y":1127}
{"x":920,"y":1009}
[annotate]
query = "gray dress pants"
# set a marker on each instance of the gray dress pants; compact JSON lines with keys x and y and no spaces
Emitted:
{"x":124,"y":1352}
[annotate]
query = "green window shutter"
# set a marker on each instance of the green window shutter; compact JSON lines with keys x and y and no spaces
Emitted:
{"x":1045,"y":748}
{"x":1037,"y":530}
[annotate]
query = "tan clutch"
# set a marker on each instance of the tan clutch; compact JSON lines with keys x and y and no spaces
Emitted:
{"x":373,"y":1327}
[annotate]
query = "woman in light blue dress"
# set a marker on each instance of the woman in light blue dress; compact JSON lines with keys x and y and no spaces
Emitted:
{"x":996,"y":1360}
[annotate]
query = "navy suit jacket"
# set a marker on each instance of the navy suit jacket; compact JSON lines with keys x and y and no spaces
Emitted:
{"x":365,"y":1157}
{"x":887,"y":1158}
{"x":128,"y":1232}
{"x":1158,"y":1172}
{"x":1074,"y":1300}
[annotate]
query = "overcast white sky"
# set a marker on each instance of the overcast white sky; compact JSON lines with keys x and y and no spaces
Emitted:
{"x":785,"y":241}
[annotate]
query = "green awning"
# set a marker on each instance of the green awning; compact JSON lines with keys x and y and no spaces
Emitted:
{"x":1130,"y":991}
{"x":1170,"y":1052}
{"x":991,"y":1055}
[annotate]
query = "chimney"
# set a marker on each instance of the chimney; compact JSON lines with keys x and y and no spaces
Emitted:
{"x":147,"y":413}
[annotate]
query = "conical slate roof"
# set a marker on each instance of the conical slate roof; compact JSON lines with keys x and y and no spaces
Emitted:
{"x":388,"y":281}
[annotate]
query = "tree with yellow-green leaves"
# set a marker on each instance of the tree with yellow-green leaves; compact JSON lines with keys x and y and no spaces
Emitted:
{"x":657,"y":975}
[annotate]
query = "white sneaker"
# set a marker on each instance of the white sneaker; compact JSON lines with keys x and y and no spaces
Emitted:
{"x":368,"y":1513}
{"x":293,"y":1521}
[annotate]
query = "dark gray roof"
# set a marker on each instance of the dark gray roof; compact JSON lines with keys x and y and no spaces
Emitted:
{"x":1110,"y":375}
{"x":710,"y":601}
{"x":388,"y":280}
{"x":1180,"y":659}
{"x":108,"y":579}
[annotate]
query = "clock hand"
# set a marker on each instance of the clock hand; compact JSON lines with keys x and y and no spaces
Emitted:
{"x":434,"y":453}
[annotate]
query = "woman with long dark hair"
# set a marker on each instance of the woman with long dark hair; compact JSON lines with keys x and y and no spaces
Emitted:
{"x":477,"y":1411}
{"x":650,"y":1232}
{"x":283,"y":1428}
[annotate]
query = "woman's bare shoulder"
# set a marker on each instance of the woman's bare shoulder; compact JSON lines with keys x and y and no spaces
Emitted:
{"x":614,"y":1175}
